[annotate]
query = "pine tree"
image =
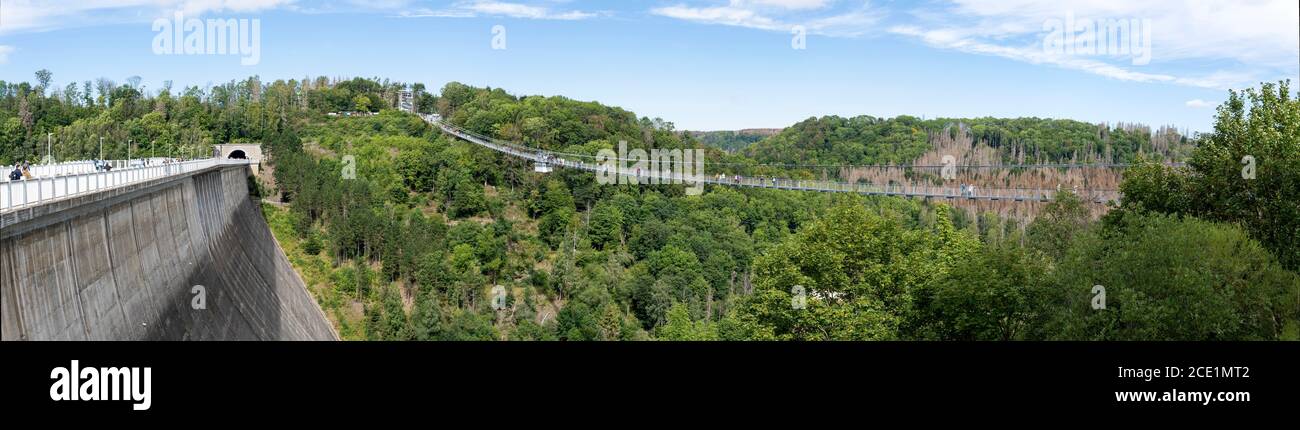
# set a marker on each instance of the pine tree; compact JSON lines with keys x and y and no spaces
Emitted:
{"x":427,"y":316}
{"x":396,"y":327}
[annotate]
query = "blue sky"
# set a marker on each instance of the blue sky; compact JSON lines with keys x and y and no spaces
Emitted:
{"x":708,"y":64}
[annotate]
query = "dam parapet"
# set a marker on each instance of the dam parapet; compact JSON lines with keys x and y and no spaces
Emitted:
{"x":184,"y":255}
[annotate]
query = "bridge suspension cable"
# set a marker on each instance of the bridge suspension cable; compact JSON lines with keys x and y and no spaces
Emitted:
{"x":562,"y":159}
{"x":859,"y":166}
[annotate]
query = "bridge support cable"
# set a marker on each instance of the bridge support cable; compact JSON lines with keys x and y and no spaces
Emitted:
{"x":551,"y":160}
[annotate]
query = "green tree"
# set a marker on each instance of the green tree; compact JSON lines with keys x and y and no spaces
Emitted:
{"x":364,"y":279}
{"x":43,"y":77}
{"x":606,"y":226}
{"x":680,"y":326}
{"x":1057,"y":225}
{"x":849,"y":275}
{"x":1246,"y":171}
{"x":1167,"y":278}
{"x":529,"y":330}
{"x":468,"y":199}
{"x":419,"y":169}
{"x":989,"y":296}
{"x":554,"y":226}
{"x":374,"y":324}
{"x":396,"y":326}
{"x":466,"y":325}
{"x":427,"y":317}
{"x":361,"y":103}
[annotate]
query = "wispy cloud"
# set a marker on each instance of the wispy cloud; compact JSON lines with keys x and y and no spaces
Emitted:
{"x":1199,"y":104}
{"x":725,"y":15}
{"x":1035,"y":54}
{"x":20,"y":16}
{"x":5,"y":50}
{"x":1243,"y":42}
{"x":823,"y":17}
{"x":440,"y":13}
{"x":1199,"y":43}
{"x":471,"y":9}
{"x":25,"y":16}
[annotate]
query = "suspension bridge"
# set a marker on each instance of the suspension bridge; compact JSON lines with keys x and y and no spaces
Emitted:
{"x":544,"y":161}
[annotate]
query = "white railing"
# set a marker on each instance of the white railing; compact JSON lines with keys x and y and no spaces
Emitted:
{"x":23,"y":193}
{"x":65,"y":168}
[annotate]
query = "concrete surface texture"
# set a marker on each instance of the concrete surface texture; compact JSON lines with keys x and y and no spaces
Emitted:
{"x":127,"y":267}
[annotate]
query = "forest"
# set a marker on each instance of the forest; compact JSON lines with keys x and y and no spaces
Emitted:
{"x":868,"y":140}
{"x":731,"y":141}
{"x":403,"y":233}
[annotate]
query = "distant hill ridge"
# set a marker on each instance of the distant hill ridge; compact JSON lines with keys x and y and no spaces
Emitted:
{"x":745,"y":132}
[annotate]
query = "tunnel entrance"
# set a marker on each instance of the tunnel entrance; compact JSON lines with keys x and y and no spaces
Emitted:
{"x":238,"y":154}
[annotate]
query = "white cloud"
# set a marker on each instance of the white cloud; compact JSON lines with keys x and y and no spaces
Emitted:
{"x":1034,"y":54}
{"x":1244,"y":41}
{"x":5,"y":50}
{"x":1199,"y":104}
{"x":430,"y":13}
{"x":725,"y":15}
{"x":470,"y":9}
{"x":24,"y":16}
{"x":43,"y":15}
{"x":518,"y":10}
{"x":817,"y":16}
{"x":380,"y":4}
{"x":1247,"y":31}
{"x":792,"y":4}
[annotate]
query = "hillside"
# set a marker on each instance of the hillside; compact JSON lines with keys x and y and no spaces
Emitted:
{"x":403,"y":233}
{"x":731,"y":141}
{"x":866,"y":140}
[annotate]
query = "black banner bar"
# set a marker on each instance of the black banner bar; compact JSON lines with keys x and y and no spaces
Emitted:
{"x":195,"y":379}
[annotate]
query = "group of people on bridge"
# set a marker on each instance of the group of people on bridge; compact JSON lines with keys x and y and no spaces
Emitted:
{"x":21,"y":171}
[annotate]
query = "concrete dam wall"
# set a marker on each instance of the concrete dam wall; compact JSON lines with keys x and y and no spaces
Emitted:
{"x":123,"y":265}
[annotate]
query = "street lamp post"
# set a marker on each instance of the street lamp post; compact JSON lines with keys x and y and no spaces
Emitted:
{"x":49,"y":137}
